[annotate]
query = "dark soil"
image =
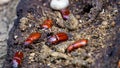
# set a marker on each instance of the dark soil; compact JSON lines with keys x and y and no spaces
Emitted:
{"x":97,"y":21}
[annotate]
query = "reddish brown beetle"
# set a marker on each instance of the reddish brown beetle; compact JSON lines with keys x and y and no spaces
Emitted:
{"x":17,"y":59}
{"x":55,"y":39}
{"x":47,"y":24}
{"x":77,"y":44}
{"x":119,"y":64}
{"x":32,"y":37}
{"x":65,"y":13}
